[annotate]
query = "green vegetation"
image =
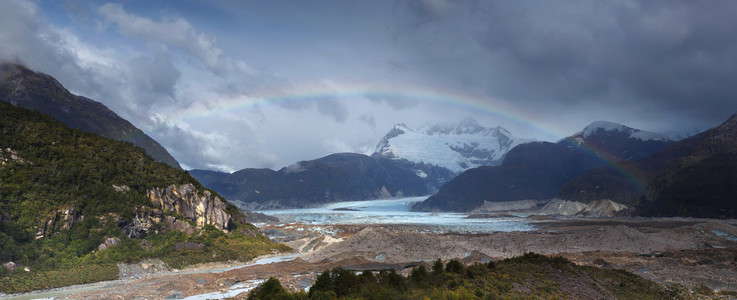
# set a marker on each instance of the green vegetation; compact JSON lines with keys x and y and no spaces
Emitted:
{"x":58,"y":204}
{"x":528,"y":276}
{"x":27,"y":281}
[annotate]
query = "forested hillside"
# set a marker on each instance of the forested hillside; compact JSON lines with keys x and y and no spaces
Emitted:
{"x":71,"y":200}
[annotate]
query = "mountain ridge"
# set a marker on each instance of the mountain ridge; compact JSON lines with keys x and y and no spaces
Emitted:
{"x":26,"y":88}
{"x":336,"y":177}
{"x":701,"y":183}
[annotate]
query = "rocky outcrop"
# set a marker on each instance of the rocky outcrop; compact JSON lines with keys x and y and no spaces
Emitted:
{"x":10,"y":265}
{"x":121,"y":188}
{"x":63,"y":218}
{"x":204,"y":209}
{"x":147,"y":220}
{"x":109,"y":242}
{"x":597,"y":208}
{"x":8,"y":155}
{"x":144,"y":220}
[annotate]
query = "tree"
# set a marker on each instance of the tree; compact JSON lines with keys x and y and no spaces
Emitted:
{"x":271,"y":289}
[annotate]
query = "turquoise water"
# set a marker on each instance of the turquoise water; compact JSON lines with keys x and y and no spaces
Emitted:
{"x":397,"y":212}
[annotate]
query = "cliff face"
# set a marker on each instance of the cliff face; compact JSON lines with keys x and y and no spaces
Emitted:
{"x":204,"y":209}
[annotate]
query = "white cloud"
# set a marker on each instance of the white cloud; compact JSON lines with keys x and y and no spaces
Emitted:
{"x":175,"y":32}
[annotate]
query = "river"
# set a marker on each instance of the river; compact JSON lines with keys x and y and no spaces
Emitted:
{"x":397,"y":212}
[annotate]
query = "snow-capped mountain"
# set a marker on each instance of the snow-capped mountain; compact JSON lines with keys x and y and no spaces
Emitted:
{"x":616,"y":142}
{"x":642,"y":135}
{"x":456,"y":147}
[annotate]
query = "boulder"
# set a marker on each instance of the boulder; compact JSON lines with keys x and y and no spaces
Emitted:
{"x":10,"y":265}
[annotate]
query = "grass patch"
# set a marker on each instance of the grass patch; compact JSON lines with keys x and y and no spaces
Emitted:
{"x":20,"y":281}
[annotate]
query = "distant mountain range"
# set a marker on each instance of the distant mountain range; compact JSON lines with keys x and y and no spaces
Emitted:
{"x":539,"y":170}
{"x":406,"y":162}
{"x":25,"y":88}
{"x":336,"y":177}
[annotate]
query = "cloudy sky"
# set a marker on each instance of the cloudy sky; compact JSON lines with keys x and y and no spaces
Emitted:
{"x":226,"y":85}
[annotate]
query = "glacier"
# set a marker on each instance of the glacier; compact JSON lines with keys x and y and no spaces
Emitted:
{"x":456,"y":147}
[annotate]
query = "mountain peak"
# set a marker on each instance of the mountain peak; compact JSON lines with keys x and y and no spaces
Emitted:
{"x":468,"y":126}
{"x":456,"y":147}
{"x":603,"y":125}
{"x":595,"y":127}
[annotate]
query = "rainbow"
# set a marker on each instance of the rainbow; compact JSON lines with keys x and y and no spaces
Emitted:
{"x":469,"y":102}
{"x":455,"y":99}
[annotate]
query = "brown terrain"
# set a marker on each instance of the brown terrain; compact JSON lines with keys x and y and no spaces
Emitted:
{"x":693,"y":253}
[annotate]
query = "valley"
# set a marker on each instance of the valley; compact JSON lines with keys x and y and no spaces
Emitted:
{"x":678,"y":253}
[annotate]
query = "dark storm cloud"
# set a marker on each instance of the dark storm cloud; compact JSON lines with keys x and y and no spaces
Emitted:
{"x":677,"y":56}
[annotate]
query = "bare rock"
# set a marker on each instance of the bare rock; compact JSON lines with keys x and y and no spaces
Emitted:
{"x":597,"y":208}
{"x":204,"y":209}
{"x":144,"y":220}
{"x":63,"y":218}
{"x":178,"y":225}
{"x":109,"y":242}
{"x":121,"y":188}
{"x":10,"y":265}
{"x":8,"y":155}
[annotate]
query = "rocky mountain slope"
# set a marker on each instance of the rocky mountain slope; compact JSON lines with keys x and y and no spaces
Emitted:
{"x":25,"y":88}
{"x":702,"y":183}
{"x":72,"y":201}
{"x":625,"y":181}
{"x":539,"y":170}
{"x":616,"y":142}
{"x":453,"y":147}
{"x":336,"y":177}
{"x":691,"y":177}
